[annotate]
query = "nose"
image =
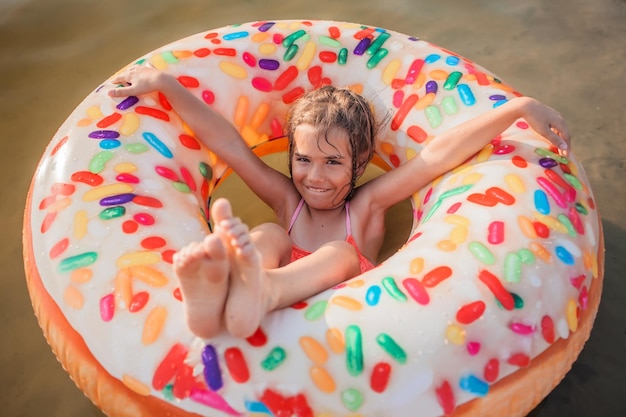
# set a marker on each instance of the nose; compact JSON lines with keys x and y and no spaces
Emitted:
{"x":315,"y":174}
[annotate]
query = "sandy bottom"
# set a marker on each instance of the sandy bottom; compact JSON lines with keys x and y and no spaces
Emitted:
{"x":570,"y":54}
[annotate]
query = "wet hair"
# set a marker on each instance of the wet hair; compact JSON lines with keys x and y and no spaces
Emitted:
{"x":328,"y":108}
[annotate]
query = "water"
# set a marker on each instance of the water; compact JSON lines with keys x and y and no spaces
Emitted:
{"x":568,"y":53}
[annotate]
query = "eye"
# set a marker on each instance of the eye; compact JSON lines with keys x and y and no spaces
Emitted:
{"x":333,"y":162}
{"x":301,"y":159}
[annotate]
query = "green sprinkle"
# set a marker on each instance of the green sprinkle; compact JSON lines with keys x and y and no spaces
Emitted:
{"x":433,"y":209}
{"x":512,"y":267}
{"x":452,"y":80}
{"x":518,"y":302}
{"x":77,"y":261}
{"x":391,"y":347}
{"x":328,"y":41}
{"x":573,"y":181}
{"x":545,"y":152}
{"x":274,"y":359}
{"x":181,"y":186}
{"x":392,"y":289}
{"x":343,"y":56}
{"x":433,"y":115}
{"x":565,"y":221}
{"x":482,"y":253}
{"x":289,"y":40}
{"x":448,"y":105}
{"x":290,"y":52}
{"x":378,"y":43}
{"x":205,"y":171}
{"x":136,"y":148}
{"x":581,"y":209}
{"x":168,"y":392}
{"x":455,"y":191}
{"x":169,"y":57}
{"x":99,"y":160}
{"x":527,"y":256}
{"x":112,"y":212}
{"x":316,"y":310}
{"x":377,"y":57}
{"x":354,"y":350}
{"x":352,"y":399}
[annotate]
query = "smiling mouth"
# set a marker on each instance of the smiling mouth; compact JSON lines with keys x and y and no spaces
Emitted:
{"x":317,"y":190}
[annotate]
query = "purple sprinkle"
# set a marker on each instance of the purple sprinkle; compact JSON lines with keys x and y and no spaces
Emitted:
{"x":362,"y":46}
{"x":269,"y":64}
{"x":548,"y":162}
{"x":116,"y":200}
{"x":266,"y":26}
{"x":497,"y":97}
{"x":431,"y":87}
{"x":104,"y":134}
{"x":128,"y":102}
{"x":212,"y":373}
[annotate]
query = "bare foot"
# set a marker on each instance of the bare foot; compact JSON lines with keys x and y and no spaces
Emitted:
{"x":247,"y":301}
{"x":202,"y":269}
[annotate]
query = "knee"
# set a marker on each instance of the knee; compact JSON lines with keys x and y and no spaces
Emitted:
{"x":347,"y":254}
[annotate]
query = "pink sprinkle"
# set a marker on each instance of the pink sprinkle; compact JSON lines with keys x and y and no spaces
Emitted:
{"x":473,"y":348}
{"x":144,"y":219}
{"x":107,"y":307}
{"x":127,"y":178}
{"x":398,"y":98}
{"x":213,"y":400}
{"x":521,"y":328}
{"x":522,"y":125}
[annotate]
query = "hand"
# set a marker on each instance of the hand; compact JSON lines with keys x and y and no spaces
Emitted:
{"x":137,"y":80}
{"x":548,"y":123}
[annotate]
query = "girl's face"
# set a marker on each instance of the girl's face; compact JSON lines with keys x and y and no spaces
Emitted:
{"x":321,"y":167}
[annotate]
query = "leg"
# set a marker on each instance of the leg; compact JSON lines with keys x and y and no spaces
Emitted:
{"x":273,"y":243}
{"x":202,"y":270}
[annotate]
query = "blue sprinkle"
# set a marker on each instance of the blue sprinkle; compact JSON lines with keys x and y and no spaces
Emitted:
{"x":432,"y":58}
{"x":110,"y":143}
{"x":373,"y":295}
{"x":467,"y":97}
{"x":564,"y":255}
{"x":541,"y":202}
{"x":499,"y":103}
{"x":257,"y":407}
{"x":452,"y":60}
{"x":157,"y":144}
{"x":474,"y":385}
{"x":235,"y":35}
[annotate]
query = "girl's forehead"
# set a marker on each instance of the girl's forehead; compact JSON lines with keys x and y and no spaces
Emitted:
{"x":307,"y":136}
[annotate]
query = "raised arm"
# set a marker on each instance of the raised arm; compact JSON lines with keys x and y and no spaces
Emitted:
{"x":453,"y":147}
{"x":217,"y":133}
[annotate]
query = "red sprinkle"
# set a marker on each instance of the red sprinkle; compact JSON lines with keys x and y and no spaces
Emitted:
{"x":492,"y":370}
{"x":188,"y":81}
{"x":166,"y":173}
{"x":59,"y":145}
{"x":164,"y":102}
{"x":184,"y":382}
{"x":380,"y":377}
{"x":519,"y":359}
{"x":547,"y":329}
{"x":315,"y":75}
{"x":416,"y":133}
{"x":109,"y":120}
{"x":152,"y":112}
{"x":236,"y":364}
{"x":445,"y":397}
{"x":501,"y":195}
{"x":286,"y":78}
{"x":188,"y":178}
{"x":328,"y":56}
{"x":147,"y":201}
{"x":59,"y":248}
{"x":87,"y":177}
{"x":258,"y":338}
{"x":189,"y":141}
{"x":63,"y":189}
{"x":292,"y":95}
{"x":47,"y":222}
{"x":153,"y":242}
{"x":129,"y":227}
{"x":519,"y":162}
{"x":495,"y":286}
{"x":138,"y":301}
{"x":168,"y":256}
{"x":225,"y":51}
{"x":169,"y":365}
{"x":470,"y":312}
{"x":435,"y":276}
{"x":202,"y":52}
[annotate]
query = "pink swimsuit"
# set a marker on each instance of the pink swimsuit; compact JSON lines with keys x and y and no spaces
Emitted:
{"x":297,"y":252}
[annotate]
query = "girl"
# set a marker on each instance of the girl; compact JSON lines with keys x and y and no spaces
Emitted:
{"x":328,"y":231}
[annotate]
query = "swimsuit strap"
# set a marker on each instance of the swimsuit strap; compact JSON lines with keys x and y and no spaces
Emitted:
{"x":295,"y":215}
{"x":348,"y":224}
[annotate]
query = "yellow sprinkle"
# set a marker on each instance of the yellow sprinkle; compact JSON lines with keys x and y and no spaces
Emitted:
{"x":425,"y":101}
{"x":572,"y":318}
{"x":134,"y":385}
{"x":137,"y":258}
{"x":551,"y":222}
{"x":455,"y":334}
{"x":158,"y":62}
{"x":484,"y":153}
{"x":94,"y":112}
{"x":123,"y":288}
{"x":390,"y":71}
{"x":260,"y":37}
{"x":106,"y":191}
{"x":515,"y":183}
{"x":540,"y":252}
{"x":335,"y":341}
{"x":526,"y":226}
{"x":241,"y":110}
{"x":250,"y":136}
{"x":259,"y":115}
{"x":234,"y":70}
{"x":153,"y":325}
{"x":182,"y":54}
{"x":357,"y":88}
{"x":410,"y":154}
{"x":346,"y":302}
{"x":149,"y":275}
{"x":314,"y":350}
{"x":73,"y":298}
{"x":446,"y":246}
{"x":83,"y":122}
{"x":357,"y":283}
{"x":457,"y":219}
{"x":59,"y":205}
{"x":267,"y":49}
{"x":472,"y":178}
{"x":416,"y":266}
{"x":80,"y":224}
{"x":81,"y":275}
{"x":308,"y":53}
{"x":322,"y":379}
{"x":130,"y":124}
{"x":125,"y":168}
{"x":459,"y":234}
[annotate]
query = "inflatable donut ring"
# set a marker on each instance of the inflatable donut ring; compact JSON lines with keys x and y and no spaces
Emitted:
{"x":481,"y":312}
